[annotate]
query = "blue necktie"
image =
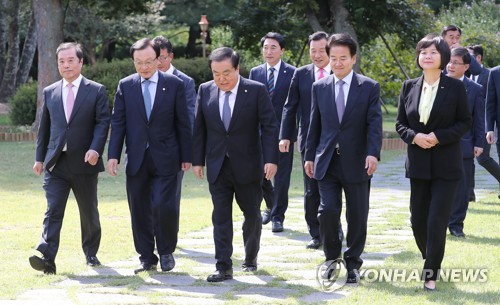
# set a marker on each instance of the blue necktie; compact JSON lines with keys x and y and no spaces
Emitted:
{"x":147,"y":97}
{"x":270,"y":82}
{"x":226,"y":111}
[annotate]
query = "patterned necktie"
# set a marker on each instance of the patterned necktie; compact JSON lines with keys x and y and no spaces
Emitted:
{"x":321,"y":73}
{"x":147,"y":97}
{"x":226,"y":110}
{"x":70,"y":101}
{"x":270,"y":82}
{"x":340,"y":101}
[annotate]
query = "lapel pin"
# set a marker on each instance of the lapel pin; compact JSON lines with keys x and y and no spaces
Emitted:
{"x":163,"y":89}
{"x":246,"y":90}
{"x":442,"y":87}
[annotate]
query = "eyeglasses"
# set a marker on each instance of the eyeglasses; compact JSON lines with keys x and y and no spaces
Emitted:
{"x":454,"y":63}
{"x":148,"y":63}
{"x":162,"y":58}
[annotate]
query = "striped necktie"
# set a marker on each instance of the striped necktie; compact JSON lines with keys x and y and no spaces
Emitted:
{"x":270,"y":82}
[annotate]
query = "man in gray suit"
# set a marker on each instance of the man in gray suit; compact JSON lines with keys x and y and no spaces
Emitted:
{"x":71,"y":138}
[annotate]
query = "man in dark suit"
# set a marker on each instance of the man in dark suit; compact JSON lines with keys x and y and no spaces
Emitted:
{"x":452,"y":34}
{"x":165,"y":65}
{"x":342,"y":150}
{"x":297,"y":109}
{"x":493,"y":112}
{"x":150,"y":112}
{"x":71,"y":137}
{"x":471,"y":143}
{"x":236,"y":136}
{"x":477,"y":52}
{"x":276,"y":75}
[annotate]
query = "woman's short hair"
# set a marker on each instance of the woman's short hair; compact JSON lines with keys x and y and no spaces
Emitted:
{"x":441,"y":47}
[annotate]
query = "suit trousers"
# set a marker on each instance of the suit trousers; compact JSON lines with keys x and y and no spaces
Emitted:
{"x":357,"y":206}
{"x":154,"y":210}
{"x":431,"y":202}
{"x":311,"y":202}
{"x":461,"y":203}
{"x":57,"y":185}
{"x":276,"y":197}
{"x":486,"y":161}
{"x":248,"y":197}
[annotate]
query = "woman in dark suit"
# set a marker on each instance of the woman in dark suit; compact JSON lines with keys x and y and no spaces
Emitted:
{"x":432,"y":117}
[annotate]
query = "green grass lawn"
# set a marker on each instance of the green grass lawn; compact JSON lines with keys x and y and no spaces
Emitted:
{"x":22,"y":202}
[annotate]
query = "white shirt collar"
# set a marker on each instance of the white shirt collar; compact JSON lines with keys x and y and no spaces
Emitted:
{"x":276,"y":66}
{"x":347,"y":80}
{"x":327,"y":69}
{"x":153,"y":78}
{"x":75,"y":83}
{"x":170,"y":70}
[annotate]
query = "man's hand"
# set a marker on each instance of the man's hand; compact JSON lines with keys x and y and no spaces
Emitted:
{"x":284,"y":145}
{"x":423,"y":141}
{"x":309,"y":168}
{"x":198,"y":171}
{"x":270,"y":170}
{"x":477,"y":151}
{"x":113,"y":167}
{"x":490,"y":137}
{"x":91,"y":156}
{"x":38,"y":168}
{"x":371,"y":165}
{"x":185,"y":166}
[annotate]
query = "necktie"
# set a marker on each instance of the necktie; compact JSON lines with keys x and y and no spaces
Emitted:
{"x":147,"y":97}
{"x":340,"y":101}
{"x":226,"y":111}
{"x":425,"y":108}
{"x":270,"y":82}
{"x":321,"y":73}
{"x":70,"y":101}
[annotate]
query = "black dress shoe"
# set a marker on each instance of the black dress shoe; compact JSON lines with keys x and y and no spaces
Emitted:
{"x":248,"y":268}
{"x":220,"y":275}
{"x":93,"y":261}
{"x":457,"y":233}
{"x":277,"y":226}
{"x":352,"y":276}
{"x":314,"y":244}
{"x":44,"y":264}
{"x":266,"y":216}
{"x":167,"y":262}
{"x":145,"y":267}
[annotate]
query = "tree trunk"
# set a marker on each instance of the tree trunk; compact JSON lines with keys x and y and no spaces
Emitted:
{"x":28,"y":52}
{"x":8,"y":86}
{"x":342,"y":24}
{"x":191,"y":46}
{"x":394,"y":56}
{"x":313,"y":21}
{"x":49,"y":21}
{"x":3,"y":36}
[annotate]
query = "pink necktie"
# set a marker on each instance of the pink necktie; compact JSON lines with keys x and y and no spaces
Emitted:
{"x":70,"y":101}
{"x":321,"y":74}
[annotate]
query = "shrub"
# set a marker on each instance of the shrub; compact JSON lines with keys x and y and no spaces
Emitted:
{"x":23,"y":104}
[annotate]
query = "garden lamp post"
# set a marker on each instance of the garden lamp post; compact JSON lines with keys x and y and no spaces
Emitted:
{"x":204,"y":27}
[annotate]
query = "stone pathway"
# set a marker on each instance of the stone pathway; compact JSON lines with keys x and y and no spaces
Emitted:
{"x":287,"y":271}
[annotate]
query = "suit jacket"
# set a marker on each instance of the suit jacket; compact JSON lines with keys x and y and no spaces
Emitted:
{"x":87,"y":127}
{"x":297,"y":108}
{"x":252,"y":138}
{"x":474,"y":137}
{"x":358,"y":135}
{"x":449,"y":120}
{"x":483,"y":79}
{"x":280,"y":94}
{"x":190,"y":93}
{"x":493,"y":100}
{"x":167,"y":133}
